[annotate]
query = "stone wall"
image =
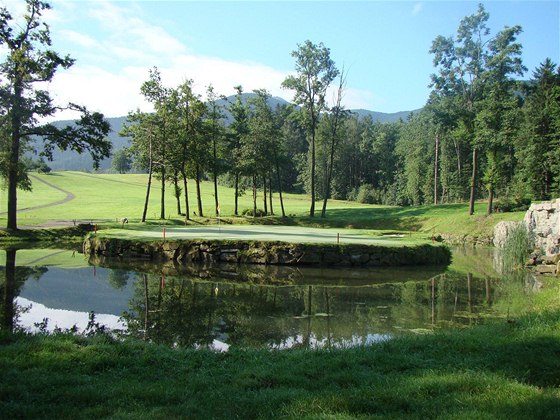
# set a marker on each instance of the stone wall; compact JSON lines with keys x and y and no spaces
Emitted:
{"x":276,"y":253}
{"x":543,"y":225}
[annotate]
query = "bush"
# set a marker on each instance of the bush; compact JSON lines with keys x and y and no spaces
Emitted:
{"x":249,"y":212}
{"x":507,"y":204}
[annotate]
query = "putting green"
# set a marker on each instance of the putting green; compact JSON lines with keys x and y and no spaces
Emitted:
{"x":263,"y":233}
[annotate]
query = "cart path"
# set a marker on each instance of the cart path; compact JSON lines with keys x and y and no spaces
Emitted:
{"x":69,"y":197}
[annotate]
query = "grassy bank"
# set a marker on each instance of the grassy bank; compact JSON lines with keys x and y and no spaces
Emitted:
{"x":501,"y":370}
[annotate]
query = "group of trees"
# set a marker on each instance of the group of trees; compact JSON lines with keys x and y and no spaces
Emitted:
{"x":483,"y":133}
{"x":187,"y":137}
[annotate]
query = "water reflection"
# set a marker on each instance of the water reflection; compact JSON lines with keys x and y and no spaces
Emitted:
{"x":252,"y":306}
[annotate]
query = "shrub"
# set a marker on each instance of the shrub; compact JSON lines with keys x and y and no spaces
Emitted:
{"x":249,"y":212}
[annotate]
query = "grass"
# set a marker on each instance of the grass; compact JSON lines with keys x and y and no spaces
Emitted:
{"x":499,"y":370}
{"x":106,"y":198}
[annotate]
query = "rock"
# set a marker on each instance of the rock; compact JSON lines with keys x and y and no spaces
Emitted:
{"x":543,"y":224}
{"x":546,"y":269}
{"x":502,"y":231}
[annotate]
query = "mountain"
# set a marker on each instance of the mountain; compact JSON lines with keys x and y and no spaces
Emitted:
{"x":72,"y":161}
{"x":383,"y":117}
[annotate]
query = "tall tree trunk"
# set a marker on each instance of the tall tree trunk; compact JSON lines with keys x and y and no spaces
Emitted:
{"x":280,"y":188}
{"x":236,"y":209}
{"x":254,"y":195}
{"x":265,"y":197}
{"x":13,"y":164}
{"x":185,"y":187}
{"x":459,"y":165}
{"x":198,"y":194}
{"x":215,"y":177}
{"x":150,"y":171}
{"x":473,"y":183}
{"x":270,"y":195}
{"x":177,"y":191}
{"x":329,"y":171}
{"x":216,"y":200}
{"x":312,"y":209}
{"x":436,"y":164}
{"x":162,"y":214}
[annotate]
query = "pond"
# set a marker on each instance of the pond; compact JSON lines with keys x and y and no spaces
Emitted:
{"x":252,"y":306}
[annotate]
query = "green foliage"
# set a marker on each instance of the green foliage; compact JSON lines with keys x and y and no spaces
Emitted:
{"x":121,"y":162}
{"x":253,"y":213}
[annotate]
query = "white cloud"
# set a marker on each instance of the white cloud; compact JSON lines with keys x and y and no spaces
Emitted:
{"x":417,"y":9}
{"x":82,"y":40}
{"x":114,"y":62}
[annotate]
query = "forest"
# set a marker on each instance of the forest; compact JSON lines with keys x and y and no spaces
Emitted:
{"x":485,"y":133}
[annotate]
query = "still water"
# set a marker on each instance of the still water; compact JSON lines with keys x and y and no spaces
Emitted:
{"x":252,"y":306}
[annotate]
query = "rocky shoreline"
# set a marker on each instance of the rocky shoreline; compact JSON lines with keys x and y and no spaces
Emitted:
{"x":268,"y":253}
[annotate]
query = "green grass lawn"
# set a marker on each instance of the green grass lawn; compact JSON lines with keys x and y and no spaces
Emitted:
{"x":104,"y":198}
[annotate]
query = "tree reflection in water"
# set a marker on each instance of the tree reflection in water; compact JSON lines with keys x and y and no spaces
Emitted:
{"x":273,"y":307}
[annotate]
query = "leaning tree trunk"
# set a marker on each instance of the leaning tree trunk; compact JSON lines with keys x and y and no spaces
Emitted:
{"x":473,"y":183}
{"x":280,"y":188}
{"x":265,"y":197}
{"x":198,"y":194}
{"x":254,"y":196}
{"x":436,"y":170}
{"x":177,"y":191}
{"x":270,"y":195}
{"x":162,"y":214}
{"x":150,"y":171}
{"x":236,"y":210}
{"x":185,"y":187}
{"x":312,"y":208}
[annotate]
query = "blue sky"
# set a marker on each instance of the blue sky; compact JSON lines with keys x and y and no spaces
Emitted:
{"x":384,"y":45}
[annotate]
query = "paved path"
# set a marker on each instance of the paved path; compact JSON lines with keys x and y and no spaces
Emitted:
{"x":69,"y":197}
{"x":262,"y":233}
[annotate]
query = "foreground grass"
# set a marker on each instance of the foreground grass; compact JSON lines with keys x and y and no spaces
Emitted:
{"x":501,"y":370}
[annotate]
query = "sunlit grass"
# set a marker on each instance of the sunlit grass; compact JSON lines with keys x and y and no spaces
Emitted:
{"x":106,"y":198}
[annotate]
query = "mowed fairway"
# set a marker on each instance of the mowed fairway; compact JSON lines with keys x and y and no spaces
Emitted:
{"x":107,"y":198}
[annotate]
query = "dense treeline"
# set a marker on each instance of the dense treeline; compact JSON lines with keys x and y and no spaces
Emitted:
{"x":482,"y":134}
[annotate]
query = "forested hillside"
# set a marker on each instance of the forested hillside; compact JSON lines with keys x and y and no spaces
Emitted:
{"x":72,"y":161}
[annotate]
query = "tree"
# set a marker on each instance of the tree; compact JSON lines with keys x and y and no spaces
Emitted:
{"x":215,"y":132}
{"x":189,"y":111}
{"x":121,"y":162}
{"x":154,"y":92}
{"x":335,"y":119}
{"x":29,"y":63}
{"x":141,"y":128}
{"x":468,"y":66}
{"x":315,"y":72}
{"x":538,"y":143}
{"x":258,"y":149}
{"x":238,"y":129}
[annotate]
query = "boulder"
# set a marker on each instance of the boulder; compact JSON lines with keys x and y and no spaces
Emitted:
{"x":543,"y":224}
